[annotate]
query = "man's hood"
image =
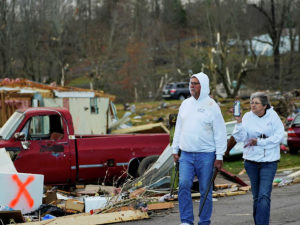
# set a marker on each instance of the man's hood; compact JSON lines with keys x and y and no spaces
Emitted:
{"x":204,"y":82}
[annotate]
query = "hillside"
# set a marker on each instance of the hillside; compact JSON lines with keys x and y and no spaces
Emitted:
{"x":159,"y":111}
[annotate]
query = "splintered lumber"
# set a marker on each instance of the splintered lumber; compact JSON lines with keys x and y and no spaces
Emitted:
{"x":80,"y":186}
{"x":87,"y":219}
{"x":161,"y":205}
{"x":235,"y":193}
{"x":295,"y":174}
{"x":243,"y":171}
{"x":137,"y":192}
{"x":224,"y":186}
{"x":229,"y":193}
{"x":229,"y":190}
{"x":247,"y":188}
{"x":122,"y":208}
{"x":296,"y":180}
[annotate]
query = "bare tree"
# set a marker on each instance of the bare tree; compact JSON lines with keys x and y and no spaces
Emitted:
{"x":7,"y":29}
{"x":223,"y":53}
{"x":275,"y":13}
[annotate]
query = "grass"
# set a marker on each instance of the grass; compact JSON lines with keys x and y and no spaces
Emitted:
{"x":151,"y":112}
{"x":82,"y":82}
{"x":286,"y":161}
{"x":289,"y":161}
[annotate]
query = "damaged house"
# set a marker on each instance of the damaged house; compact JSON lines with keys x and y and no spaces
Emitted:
{"x":96,"y":107}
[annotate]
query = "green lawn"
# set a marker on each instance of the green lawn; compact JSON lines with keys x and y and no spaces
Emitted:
{"x":286,"y":161}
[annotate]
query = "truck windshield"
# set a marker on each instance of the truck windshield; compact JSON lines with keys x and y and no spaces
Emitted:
{"x":11,"y":125}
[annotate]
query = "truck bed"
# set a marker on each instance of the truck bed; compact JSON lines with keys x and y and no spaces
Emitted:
{"x":109,"y":155}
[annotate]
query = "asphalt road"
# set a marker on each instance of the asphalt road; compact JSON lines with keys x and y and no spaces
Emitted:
{"x":237,"y":210}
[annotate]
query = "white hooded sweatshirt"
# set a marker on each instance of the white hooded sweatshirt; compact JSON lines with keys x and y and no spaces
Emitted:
{"x":200,"y":125}
{"x":252,"y":126}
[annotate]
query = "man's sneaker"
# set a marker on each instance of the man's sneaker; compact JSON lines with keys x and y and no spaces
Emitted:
{"x":184,"y":224}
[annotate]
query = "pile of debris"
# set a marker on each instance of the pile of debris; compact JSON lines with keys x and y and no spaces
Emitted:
{"x":97,"y":204}
{"x":152,"y":192}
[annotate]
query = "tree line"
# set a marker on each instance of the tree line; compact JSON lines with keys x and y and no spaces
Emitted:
{"x":131,"y":48}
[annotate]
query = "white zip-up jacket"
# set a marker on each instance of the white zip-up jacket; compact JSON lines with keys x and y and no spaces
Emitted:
{"x":200,"y":126}
{"x":252,"y":126}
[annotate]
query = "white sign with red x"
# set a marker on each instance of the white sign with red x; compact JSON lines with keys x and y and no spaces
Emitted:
{"x":21,"y":191}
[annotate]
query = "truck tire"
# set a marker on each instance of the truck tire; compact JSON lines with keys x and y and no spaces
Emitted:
{"x":146,"y":164}
{"x":293,"y":151}
{"x":181,"y":97}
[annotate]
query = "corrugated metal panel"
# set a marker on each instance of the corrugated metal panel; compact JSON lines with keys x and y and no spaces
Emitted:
{"x":46,"y":90}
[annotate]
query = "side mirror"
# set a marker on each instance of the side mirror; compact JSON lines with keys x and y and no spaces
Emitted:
{"x":19,"y":136}
{"x":25,"y":144}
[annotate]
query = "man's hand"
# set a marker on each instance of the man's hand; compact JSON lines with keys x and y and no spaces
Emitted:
{"x":176,"y":157}
{"x":218,"y":164}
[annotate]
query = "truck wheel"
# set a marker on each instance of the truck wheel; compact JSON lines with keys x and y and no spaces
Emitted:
{"x":181,"y":97}
{"x":293,"y":151}
{"x":146,"y":164}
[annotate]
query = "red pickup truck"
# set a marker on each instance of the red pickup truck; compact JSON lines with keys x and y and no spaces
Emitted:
{"x":42,"y":141}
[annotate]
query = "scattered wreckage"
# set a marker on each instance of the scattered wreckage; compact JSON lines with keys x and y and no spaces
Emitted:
{"x":98,"y":204}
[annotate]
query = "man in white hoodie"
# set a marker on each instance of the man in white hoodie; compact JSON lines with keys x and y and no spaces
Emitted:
{"x":200,"y":134}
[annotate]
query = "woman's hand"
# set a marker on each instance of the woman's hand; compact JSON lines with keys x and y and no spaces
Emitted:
{"x":238,"y":119}
{"x":251,"y":142}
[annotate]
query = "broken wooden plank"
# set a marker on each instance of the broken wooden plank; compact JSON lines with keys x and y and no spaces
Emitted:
{"x":73,"y":204}
{"x":295,"y":174}
{"x":232,"y":189}
{"x":296,"y":180}
{"x":50,"y":197}
{"x":122,"y":208}
{"x":137,"y":192}
{"x":87,"y":219}
{"x":160,"y":205}
{"x":224,"y":186}
{"x":80,"y":186}
{"x":243,"y":171}
{"x":247,"y":188}
{"x":235,"y":193}
{"x":223,"y":194}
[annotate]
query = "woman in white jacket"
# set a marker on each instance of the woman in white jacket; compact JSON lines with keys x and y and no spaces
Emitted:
{"x":261,"y":130}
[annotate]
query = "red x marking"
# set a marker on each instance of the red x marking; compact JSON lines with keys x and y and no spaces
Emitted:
{"x":22,"y":190}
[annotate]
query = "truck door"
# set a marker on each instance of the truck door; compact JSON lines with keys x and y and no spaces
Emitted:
{"x":46,"y":149}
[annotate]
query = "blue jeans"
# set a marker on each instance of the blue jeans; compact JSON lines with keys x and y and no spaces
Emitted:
{"x":191,"y":164}
{"x":261,"y":177}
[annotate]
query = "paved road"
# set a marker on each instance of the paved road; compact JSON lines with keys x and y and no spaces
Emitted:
{"x":237,"y":210}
